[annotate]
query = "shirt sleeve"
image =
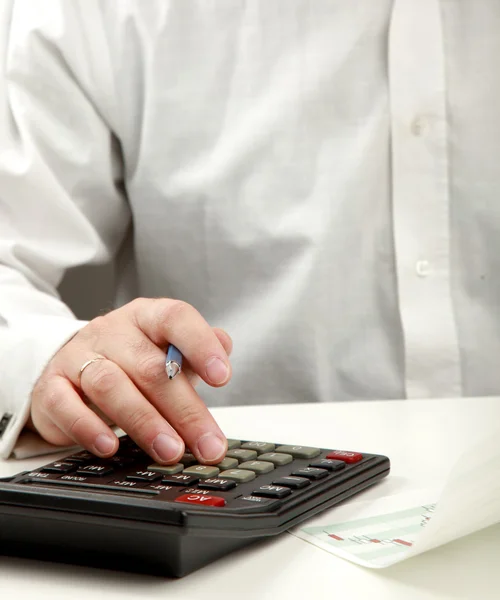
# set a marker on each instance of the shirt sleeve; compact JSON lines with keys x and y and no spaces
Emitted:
{"x":61,"y":195}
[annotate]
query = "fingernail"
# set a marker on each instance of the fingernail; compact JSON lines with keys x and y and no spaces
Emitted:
{"x":211,"y":447}
{"x":104,"y":443}
{"x":217,"y":370}
{"x":166,"y":447}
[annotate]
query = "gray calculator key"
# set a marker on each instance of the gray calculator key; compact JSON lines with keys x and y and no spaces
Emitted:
{"x":227,"y":463}
{"x":258,"y":466}
{"x":238,"y":475}
{"x":232,"y":444}
{"x":166,"y":469}
{"x":242,"y":455}
{"x":260,"y":447}
{"x":202,"y":471}
{"x":277,"y":458}
{"x":300,"y":451}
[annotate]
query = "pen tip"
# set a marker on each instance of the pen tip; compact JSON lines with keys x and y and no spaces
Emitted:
{"x":172,"y":369}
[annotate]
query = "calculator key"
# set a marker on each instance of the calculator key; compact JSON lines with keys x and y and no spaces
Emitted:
{"x":259,"y":447}
{"x":277,"y":458}
{"x":217,"y":483}
{"x":203,"y":500}
{"x":227,"y":463}
{"x":295,"y":483}
{"x":202,"y":471}
{"x":133,"y":451}
{"x":255,"y":503}
{"x":75,"y":478}
{"x":160,"y":487}
{"x":166,"y":469}
{"x":94,"y":470}
{"x":257,"y":500}
{"x":311,"y":473}
{"x":345,"y":456}
{"x":80,"y":457}
{"x":258,"y":466}
{"x":242,"y":455}
{"x":180,"y":479}
{"x":299,"y":451}
{"x":60,"y":467}
{"x":238,"y":475}
{"x":126,"y":440}
{"x":119,"y":461}
{"x":272,"y":491}
{"x":329,"y":464}
{"x":196,"y":490}
{"x":232,"y":444}
{"x":144,"y":476}
{"x":188,"y":460}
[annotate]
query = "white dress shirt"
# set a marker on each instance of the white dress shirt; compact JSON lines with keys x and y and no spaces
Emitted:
{"x":321,"y":178}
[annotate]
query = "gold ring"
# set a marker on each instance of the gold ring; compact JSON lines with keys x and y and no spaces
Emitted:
{"x":86,"y":364}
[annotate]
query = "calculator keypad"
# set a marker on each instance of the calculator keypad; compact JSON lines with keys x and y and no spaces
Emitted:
{"x":253,"y":476}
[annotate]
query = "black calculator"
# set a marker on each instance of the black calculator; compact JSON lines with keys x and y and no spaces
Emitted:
{"x":128,"y":513}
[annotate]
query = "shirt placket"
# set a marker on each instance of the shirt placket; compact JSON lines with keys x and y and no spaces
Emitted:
{"x":421,"y":201}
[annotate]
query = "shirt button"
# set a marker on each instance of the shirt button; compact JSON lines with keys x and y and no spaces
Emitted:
{"x":423,"y":268}
{"x":419,"y":126}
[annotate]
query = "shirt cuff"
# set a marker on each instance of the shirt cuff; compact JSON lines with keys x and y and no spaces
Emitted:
{"x":26,"y":348}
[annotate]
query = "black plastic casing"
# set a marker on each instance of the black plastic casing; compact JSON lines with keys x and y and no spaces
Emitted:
{"x":135,"y":533}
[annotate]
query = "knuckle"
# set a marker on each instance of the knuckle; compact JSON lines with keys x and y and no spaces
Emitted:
{"x":149,"y":369}
{"x":188,"y":416}
{"x":75,"y":427}
{"x":171,"y":311}
{"x":139,"y":302}
{"x":99,"y":325}
{"x":137,"y":305}
{"x":141,"y":422}
{"x":103,"y":379}
{"x":93,"y":330}
{"x":50,"y":400}
{"x":138,"y":347}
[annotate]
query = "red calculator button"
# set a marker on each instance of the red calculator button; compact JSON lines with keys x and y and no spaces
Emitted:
{"x":347,"y":457}
{"x":203,"y":500}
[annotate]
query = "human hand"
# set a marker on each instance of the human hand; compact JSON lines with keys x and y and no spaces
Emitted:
{"x":129,"y":386}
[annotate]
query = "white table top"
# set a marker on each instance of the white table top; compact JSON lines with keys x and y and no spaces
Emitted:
{"x":420,"y":437}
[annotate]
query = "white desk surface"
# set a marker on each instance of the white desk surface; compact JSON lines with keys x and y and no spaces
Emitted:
{"x":417,"y":436}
